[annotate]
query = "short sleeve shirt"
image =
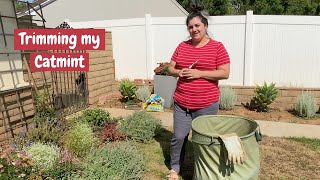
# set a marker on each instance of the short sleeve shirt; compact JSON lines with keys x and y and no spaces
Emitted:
{"x":198,"y":93}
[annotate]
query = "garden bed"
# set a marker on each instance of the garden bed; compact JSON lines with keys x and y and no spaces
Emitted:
{"x":273,"y":115}
{"x":280,"y":115}
{"x":94,"y":144}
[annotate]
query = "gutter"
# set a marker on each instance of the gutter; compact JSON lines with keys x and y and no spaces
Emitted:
{"x":37,"y":7}
{"x":180,"y":7}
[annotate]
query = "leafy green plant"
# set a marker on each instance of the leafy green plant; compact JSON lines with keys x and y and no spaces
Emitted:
{"x":46,"y":126}
{"x":20,"y":5}
{"x":96,"y":117}
{"x":228,"y":98}
{"x":306,"y":105}
{"x":80,"y":139}
{"x":43,"y":111}
{"x":140,"y":126}
{"x":143,"y":93}
{"x":264,"y":96}
{"x":62,"y":171}
{"x":44,"y":156}
{"x":127,"y":89}
{"x":115,"y":161}
{"x":46,"y":132}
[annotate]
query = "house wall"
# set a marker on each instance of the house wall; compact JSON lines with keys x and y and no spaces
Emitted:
{"x":92,"y":10}
{"x":101,"y":71}
{"x":11,"y":65}
{"x":16,"y":101}
{"x":280,"y":49}
{"x":15,"y":119}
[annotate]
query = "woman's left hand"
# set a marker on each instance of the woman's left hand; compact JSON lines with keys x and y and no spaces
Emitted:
{"x":191,"y":73}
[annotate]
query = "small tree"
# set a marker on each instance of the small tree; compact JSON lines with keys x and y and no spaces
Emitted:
{"x":127,"y":89}
{"x":264,"y":96}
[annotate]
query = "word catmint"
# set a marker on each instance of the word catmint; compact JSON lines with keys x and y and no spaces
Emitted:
{"x":59,"y":61}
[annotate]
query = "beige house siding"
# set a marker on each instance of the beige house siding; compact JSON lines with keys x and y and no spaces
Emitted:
{"x":82,"y":10}
{"x":10,"y":65}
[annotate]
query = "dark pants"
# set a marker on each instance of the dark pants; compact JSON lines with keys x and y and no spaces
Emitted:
{"x":182,"y":118}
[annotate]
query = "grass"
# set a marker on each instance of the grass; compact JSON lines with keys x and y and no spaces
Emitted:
{"x":155,"y":166}
{"x":280,"y":158}
{"x":309,"y":142}
{"x":157,"y":155}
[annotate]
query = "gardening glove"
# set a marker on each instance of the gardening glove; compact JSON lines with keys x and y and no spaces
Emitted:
{"x":234,"y":148}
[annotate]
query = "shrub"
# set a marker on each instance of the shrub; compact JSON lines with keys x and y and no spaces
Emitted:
{"x":16,"y":164}
{"x":47,"y":127}
{"x":43,"y":111}
{"x":306,"y":105}
{"x":127,"y":89}
{"x":96,"y":117}
{"x":140,"y":126}
{"x":264,"y":96}
{"x":227,"y":98}
{"x":110,"y":133}
{"x":143,"y":93}
{"x":115,"y":161}
{"x":20,"y":140}
{"x":44,"y":156}
{"x":80,"y":139}
{"x":63,"y":171}
{"x":46,"y":132}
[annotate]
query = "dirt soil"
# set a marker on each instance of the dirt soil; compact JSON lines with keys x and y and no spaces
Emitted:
{"x":273,"y":115}
{"x":114,"y":101}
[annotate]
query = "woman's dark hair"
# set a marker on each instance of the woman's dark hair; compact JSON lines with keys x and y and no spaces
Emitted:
{"x":197,"y":11}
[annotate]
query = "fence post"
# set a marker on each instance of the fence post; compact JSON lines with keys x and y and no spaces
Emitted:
{"x":248,"y":57}
{"x":149,"y":46}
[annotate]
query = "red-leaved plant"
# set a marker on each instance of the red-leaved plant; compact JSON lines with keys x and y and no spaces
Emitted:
{"x":162,"y":69}
{"x":110,"y":133}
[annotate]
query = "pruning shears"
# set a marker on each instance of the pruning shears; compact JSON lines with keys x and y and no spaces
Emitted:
{"x":193,"y":65}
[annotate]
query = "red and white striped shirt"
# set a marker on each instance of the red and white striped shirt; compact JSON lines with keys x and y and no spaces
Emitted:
{"x":198,"y":93}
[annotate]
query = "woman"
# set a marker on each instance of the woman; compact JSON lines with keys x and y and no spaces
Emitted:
{"x":199,"y":63}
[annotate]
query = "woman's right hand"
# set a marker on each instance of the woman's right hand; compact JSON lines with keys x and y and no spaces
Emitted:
{"x":180,"y":74}
{"x":191,"y":73}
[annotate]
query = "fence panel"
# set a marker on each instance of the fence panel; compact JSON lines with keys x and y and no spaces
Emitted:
{"x":280,"y":49}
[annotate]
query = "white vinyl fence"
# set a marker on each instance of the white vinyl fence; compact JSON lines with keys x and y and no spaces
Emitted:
{"x":280,"y":49}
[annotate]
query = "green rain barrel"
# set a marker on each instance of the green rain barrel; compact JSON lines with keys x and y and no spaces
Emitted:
{"x":209,"y":150}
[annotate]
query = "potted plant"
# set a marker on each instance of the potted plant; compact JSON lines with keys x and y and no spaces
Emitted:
{"x":164,"y":84}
